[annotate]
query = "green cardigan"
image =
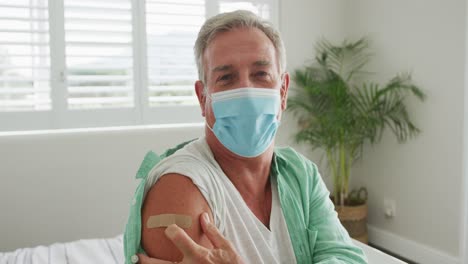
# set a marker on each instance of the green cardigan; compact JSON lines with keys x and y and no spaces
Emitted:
{"x":317,"y":235}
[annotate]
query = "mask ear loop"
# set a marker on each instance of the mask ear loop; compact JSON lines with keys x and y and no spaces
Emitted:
{"x":208,"y":126}
{"x":208,"y":97}
{"x":281,"y":90}
{"x":281,"y":97}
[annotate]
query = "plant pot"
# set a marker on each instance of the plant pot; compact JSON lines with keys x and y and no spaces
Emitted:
{"x":354,"y":220}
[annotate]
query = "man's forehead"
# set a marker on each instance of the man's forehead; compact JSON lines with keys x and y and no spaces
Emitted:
{"x":226,"y":67}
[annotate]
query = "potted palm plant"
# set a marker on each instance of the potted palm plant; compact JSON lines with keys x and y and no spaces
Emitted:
{"x":338,"y":111}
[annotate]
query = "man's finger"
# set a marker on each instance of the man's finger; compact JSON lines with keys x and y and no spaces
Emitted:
{"x":143,"y":259}
{"x":182,"y":241}
{"x":213,"y":233}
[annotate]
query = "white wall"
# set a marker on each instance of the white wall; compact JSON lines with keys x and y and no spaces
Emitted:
{"x":424,"y":176}
{"x":464,"y":220}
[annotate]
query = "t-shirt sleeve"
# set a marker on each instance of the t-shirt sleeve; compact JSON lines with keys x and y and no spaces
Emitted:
{"x":200,"y":174}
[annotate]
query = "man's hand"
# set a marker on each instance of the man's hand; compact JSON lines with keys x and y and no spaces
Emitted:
{"x":222,"y":253}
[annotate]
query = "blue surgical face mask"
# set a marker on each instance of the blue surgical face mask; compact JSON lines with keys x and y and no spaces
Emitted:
{"x":246,"y":119}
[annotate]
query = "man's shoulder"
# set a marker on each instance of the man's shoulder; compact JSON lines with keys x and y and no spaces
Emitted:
{"x":178,"y":147}
{"x":186,"y":158}
{"x":285,"y":151}
{"x":185,"y":173}
{"x":172,"y":194}
{"x":193,"y":151}
{"x":176,"y":188}
{"x":294,"y":168}
{"x":292,"y":157}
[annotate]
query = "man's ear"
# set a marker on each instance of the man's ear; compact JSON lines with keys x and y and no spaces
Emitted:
{"x":284,"y":91}
{"x":199,"y":90}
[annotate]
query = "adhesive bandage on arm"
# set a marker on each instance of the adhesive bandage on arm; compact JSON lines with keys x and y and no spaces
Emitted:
{"x":165,"y":220}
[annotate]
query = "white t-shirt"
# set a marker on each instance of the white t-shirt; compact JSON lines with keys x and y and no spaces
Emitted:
{"x":254,"y":242}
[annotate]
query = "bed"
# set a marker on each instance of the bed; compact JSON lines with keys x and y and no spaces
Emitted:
{"x":110,"y":251}
{"x":80,"y":251}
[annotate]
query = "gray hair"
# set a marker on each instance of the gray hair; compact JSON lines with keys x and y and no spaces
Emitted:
{"x":228,"y":21}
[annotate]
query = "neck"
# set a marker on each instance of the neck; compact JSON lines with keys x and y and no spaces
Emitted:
{"x":249,"y":175}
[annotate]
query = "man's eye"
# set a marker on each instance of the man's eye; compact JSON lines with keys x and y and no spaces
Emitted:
{"x":261,"y":74}
{"x":225,"y":77}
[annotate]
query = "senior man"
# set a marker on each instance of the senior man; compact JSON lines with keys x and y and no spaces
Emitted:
{"x":235,"y":197}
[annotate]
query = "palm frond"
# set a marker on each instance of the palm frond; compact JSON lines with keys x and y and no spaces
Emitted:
{"x":336,"y":112}
{"x":345,"y":60}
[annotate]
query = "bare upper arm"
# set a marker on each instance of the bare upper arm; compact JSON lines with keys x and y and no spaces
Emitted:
{"x":172,"y":194}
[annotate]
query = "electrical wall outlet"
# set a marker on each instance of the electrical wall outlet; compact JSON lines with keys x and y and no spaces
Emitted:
{"x":389,"y":208}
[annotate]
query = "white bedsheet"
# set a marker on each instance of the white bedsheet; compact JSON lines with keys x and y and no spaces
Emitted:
{"x":86,"y":251}
{"x":110,"y":251}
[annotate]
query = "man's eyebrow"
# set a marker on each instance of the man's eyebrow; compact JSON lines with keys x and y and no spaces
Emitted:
{"x":222,"y":68}
{"x":262,"y":63}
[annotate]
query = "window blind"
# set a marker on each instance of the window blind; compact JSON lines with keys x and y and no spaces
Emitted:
{"x":24,"y":56}
{"x":171,"y":30}
{"x":98,"y":48}
{"x":261,"y":8}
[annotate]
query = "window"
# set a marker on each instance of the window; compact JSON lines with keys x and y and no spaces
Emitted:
{"x":261,"y":8}
{"x":24,"y":56}
{"x":171,"y":30}
{"x":98,"y":52}
{"x":88,"y":63}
